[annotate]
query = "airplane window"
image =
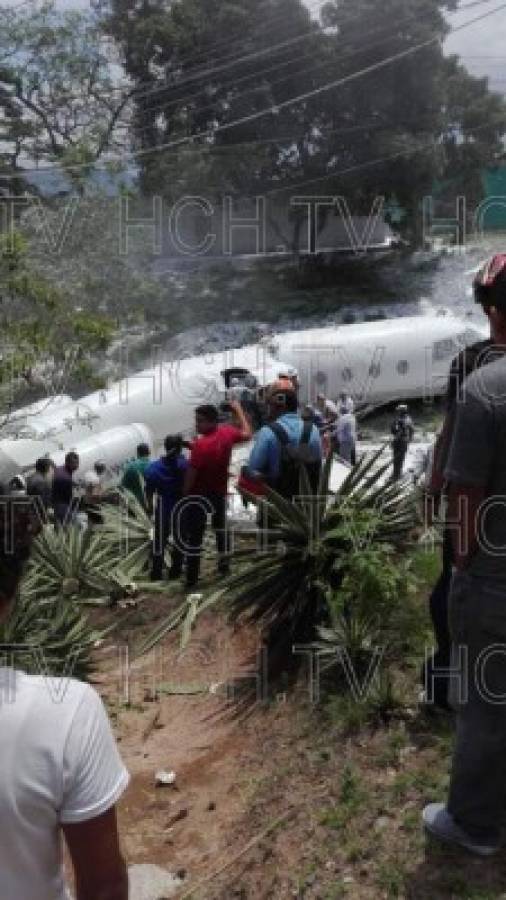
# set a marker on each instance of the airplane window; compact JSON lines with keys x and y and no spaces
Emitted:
{"x":347,"y":375}
{"x":375,"y":370}
{"x":403,"y":367}
{"x":444,"y":349}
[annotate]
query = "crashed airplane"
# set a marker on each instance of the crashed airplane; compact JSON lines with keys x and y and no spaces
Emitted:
{"x":374,"y":362}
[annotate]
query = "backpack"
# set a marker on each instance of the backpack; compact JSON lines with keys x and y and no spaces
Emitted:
{"x":292,"y":457}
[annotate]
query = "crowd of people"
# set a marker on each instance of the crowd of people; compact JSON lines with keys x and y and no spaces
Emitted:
{"x":61,"y":771}
{"x":189,"y":483}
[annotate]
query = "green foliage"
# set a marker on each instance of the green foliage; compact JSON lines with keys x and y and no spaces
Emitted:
{"x":421,"y":118}
{"x":427,"y":566}
{"x":86,"y":567}
{"x":290,"y":585}
{"x":68,"y":571}
{"x":127,"y":528}
{"x":57,"y":88}
{"x":45,"y":343}
{"x":352,"y":797}
{"x":371,"y":611}
{"x":50,"y":635}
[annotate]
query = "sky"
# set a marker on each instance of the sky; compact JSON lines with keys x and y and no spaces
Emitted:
{"x":482,"y":45}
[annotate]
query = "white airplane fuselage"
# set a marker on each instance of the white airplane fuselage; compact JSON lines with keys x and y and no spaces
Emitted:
{"x":374,"y":362}
{"x":378,"y":362}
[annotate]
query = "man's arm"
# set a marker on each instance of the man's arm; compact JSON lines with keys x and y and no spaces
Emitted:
{"x":242,"y":421}
{"x":149,"y":493}
{"x":261,"y":456}
{"x":190,"y":477}
{"x":468,"y":469}
{"x":100,"y":870}
{"x":464,"y":502}
{"x":330,"y":412}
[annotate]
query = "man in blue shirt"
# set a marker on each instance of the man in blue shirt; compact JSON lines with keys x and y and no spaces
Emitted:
{"x":286,"y":444}
{"x":164,"y":478}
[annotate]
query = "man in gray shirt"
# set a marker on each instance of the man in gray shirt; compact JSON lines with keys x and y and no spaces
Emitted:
{"x":476,"y":473}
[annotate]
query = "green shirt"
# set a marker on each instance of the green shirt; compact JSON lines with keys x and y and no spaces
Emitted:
{"x":133,"y":478}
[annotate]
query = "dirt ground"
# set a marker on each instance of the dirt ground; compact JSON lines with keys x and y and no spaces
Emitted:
{"x":292,"y":802}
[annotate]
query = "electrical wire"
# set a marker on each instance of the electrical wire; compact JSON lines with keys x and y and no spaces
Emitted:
{"x":163,"y":107}
{"x":239,"y":60}
{"x":358,"y":167}
{"x":404,"y":54}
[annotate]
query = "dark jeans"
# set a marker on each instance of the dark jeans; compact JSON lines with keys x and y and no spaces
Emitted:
{"x":399,"y":454}
{"x":65,"y":513}
{"x":434,"y":678}
{"x":477,"y":797}
{"x":163,"y":531}
{"x":193,"y":525}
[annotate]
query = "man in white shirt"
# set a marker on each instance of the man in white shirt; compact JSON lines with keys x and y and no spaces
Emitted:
{"x":60,"y":771}
{"x":346,"y":404}
{"x":346,"y":435}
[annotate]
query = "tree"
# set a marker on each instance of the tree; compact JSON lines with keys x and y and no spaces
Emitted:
{"x":424,"y":115}
{"x":58,"y":96}
{"x":379,"y":114}
{"x":200,"y":65}
{"x":46,"y":345}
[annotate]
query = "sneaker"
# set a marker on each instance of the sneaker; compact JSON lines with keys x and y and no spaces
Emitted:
{"x":440,"y":824}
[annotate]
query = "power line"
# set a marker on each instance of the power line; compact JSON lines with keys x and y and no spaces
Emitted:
{"x":164,"y":106}
{"x":432,"y":145}
{"x":227,"y":43}
{"x":229,"y":148}
{"x":195,"y":76}
{"x":331,"y":61}
{"x":404,"y":54}
{"x":234,"y":82}
{"x":136,"y":94}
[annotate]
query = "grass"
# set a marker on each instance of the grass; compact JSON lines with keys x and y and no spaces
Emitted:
{"x":352,"y":796}
{"x":362,"y":772}
{"x":358,"y":783}
{"x":390,"y":878}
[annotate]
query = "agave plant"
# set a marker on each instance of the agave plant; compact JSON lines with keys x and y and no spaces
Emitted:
{"x":50,"y":636}
{"x":128,"y":528}
{"x":84,"y":566}
{"x":286,"y":586}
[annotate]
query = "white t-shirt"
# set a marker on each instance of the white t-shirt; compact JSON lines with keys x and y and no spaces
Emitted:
{"x":330,"y":408}
{"x":59,"y":764}
{"x":346,"y":428}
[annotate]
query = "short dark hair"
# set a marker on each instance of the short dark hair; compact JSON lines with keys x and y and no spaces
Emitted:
{"x":43,"y":465}
{"x":173,"y":444}
{"x":208,"y":411}
{"x":286,"y":400}
{"x":143,"y":450}
{"x":71,"y":456}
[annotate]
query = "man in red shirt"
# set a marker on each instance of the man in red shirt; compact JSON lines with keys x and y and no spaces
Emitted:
{"x":206,"y":484}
